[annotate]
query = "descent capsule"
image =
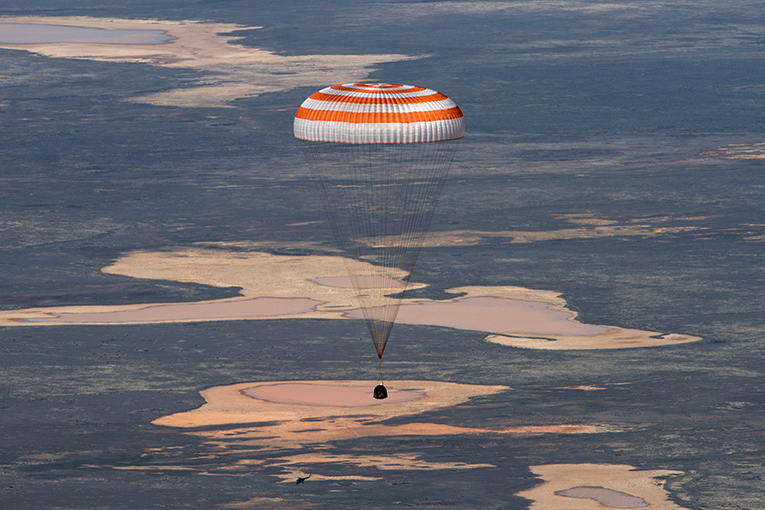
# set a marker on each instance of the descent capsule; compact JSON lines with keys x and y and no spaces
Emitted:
{"x":380,"y":392}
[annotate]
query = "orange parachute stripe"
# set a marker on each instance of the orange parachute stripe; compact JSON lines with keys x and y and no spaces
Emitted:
{"x":378,"y":90}
{"x":378,"y":117}
{"x":320,"y":96}
{"x":379,"y":85}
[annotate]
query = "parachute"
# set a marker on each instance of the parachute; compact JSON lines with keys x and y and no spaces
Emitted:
{"x":380,"y":153}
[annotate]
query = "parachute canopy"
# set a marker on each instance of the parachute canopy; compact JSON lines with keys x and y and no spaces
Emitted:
{"x":380,"y":153}
{"x":378,"y":113}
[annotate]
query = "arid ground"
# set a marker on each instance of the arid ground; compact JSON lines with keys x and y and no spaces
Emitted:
{"x":583,"y":329}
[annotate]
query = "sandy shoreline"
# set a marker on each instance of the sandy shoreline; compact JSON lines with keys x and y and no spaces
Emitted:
{"x":237,"y":415}
{"x":227,"y":405}
{"x":232,"y":71}
{"x":314,"y":287}
{"x":231,"y":418}
{"x":291,"y":423}
{"x":595,"y":486}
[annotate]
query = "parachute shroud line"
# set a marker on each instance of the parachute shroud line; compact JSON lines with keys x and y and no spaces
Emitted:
{"x":380,"y":153}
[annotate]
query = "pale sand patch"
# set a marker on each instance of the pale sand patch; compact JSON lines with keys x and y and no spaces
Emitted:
{"x":380,"y":462}
{"x":587,"y":218}
{"x":269,"y":245}
{"x":291,"y":287}
{"x":232,"y":71}
{"x":475,"y":237}
{"x":580,"y":388}
{"x":289,"y":425}
{"x":661,"y":219}
{"x":261,"y":503}
{"x":153,"y":468}
{"x":560,"y":479}
{"x":593,"y":227}
{"x":738,"y":151}
{"x":259,"y":275}
{"x":315,"y":477}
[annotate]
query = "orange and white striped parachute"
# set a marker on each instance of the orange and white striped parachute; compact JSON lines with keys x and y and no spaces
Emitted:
{"x":378,"y":113}
{"x":381,"y":153}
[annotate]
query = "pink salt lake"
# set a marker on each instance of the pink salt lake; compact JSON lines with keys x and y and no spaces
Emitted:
{"x":257,"y":307}
{"x":327,"y":395}
{"x":27,"y":33}
{"x":606,"y":497}
{"x":486,"y":313}
{"x":492,"y":314}
{"x":361,"y":282}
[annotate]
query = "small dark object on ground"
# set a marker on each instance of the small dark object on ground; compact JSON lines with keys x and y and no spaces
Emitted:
{"x":380,"y":392}
{"x":302,"y":480}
